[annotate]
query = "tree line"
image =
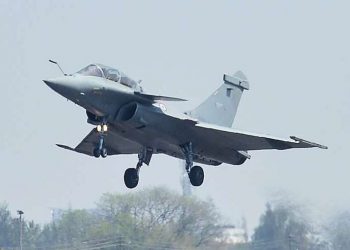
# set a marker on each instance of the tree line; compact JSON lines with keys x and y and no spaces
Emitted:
{"x":158,"y":218}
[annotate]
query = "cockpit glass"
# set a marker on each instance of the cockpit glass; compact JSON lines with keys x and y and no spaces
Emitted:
{"x":111,"y":74}
{"x":91,"y":70}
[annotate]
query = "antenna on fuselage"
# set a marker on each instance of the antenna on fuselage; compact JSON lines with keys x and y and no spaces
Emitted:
{"x":54,"y":62}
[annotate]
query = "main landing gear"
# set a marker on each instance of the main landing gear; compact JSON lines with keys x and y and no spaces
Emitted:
{"x":195,"y":173}
{"x":100,"y":149}
{"x":131,"y":175}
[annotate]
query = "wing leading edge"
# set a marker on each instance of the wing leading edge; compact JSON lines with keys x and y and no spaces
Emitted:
{"x":154,"y":98}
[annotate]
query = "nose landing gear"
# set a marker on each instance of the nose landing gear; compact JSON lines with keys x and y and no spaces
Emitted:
{"x":100,"y":149}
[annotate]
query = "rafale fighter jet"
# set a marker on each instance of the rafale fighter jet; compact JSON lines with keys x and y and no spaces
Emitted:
{"x":131,"y":121}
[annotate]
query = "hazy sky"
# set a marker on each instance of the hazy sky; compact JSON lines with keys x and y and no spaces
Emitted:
{"x":295,"y":54}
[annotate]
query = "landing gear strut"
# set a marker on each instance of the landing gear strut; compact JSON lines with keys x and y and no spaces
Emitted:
{"x":131,"y":175}
{"x":195,"y":173}
{"x":100,"y":149}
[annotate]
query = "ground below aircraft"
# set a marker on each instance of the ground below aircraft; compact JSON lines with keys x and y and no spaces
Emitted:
{"x":131,"y":121}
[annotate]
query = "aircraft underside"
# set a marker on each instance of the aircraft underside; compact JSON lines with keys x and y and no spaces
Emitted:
{"x":147,"y":146}
{"x":130,"y":121}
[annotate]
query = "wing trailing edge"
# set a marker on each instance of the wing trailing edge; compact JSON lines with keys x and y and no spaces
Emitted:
{"x":246,"y":141}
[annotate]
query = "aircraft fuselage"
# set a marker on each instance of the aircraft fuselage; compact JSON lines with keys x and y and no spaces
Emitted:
{"x":130,"y":121}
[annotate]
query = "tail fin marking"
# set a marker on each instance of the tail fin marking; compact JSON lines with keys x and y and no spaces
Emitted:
{"x":221,"y":107}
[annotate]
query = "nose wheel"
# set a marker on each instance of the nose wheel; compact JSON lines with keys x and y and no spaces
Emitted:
{"x":100,"y":149}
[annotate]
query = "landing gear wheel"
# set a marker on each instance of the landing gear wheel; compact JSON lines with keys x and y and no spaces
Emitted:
{"x":131,"y":178}
{"x":97,"y":152}
{"x":104,"y":152}
{"x":196,"y":175}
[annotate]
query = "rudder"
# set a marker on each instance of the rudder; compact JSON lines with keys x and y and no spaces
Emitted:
{"x":221,"y":107}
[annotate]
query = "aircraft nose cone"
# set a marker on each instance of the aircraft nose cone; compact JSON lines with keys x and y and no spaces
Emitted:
{"x":48,"y":83}
{"x":63,"y":85}
{"x":52,"y":83}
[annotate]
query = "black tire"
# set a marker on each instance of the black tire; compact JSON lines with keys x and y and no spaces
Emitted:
{"x":97,"y":152}
{"x":131,"y":178}
{"x":196,"y":175}
{"x":104,"y":152}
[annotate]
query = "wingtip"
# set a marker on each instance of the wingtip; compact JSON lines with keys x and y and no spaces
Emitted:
{"x":65,"y":147}
{"x":313,"y":144}
{"x":182,"y":100}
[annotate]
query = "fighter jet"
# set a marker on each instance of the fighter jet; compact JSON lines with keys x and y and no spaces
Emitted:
{"x":129,"y":120}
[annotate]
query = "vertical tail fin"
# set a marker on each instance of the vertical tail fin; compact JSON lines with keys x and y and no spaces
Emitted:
{"x":221,"y":107}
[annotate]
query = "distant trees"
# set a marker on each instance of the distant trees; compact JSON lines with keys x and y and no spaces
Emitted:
{"x":161,"y":219}
{"x":70,"y":230}
{"x":8,"y":236}
{"x":285,"y":227}
{"x":281,"y":228}
{"x":160,"y":214}
{"x":339,"y":231}
{"x":148,"y":219}
{"x":9,"y":230}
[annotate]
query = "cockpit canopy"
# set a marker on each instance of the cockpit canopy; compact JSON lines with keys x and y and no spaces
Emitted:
{"x":109,"y":73}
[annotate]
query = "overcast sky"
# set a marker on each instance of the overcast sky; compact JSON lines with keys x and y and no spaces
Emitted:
{"x":295,"y":54}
